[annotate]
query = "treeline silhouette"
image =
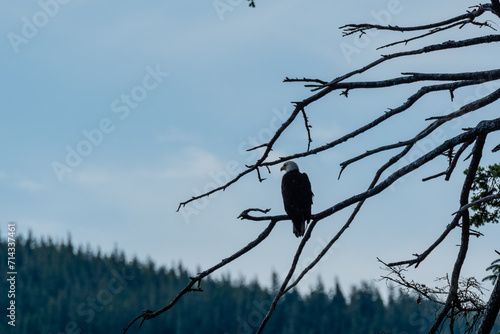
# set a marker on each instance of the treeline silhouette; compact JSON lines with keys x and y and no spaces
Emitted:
{"x":65,"y":289}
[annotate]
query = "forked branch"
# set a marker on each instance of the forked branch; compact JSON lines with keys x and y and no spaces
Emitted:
{"x":453,"y":146}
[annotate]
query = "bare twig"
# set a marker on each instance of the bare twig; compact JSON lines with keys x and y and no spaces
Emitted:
{"x":420,"y":289}
{"x":453,"y":163}
{"x":245,"y":215}
{"x":318,"y":81}
{"x":308,"y":129}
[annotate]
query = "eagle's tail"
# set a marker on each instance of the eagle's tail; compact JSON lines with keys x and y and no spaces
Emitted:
{"x":299,"y":228}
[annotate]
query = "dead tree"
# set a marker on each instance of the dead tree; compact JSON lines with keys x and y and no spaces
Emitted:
{"x":469,"y":143}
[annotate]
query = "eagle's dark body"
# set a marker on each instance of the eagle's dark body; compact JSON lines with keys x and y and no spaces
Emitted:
{"x":297,"y":197}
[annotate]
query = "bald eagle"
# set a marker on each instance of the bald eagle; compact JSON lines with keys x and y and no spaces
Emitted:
{"x":297,"y":196}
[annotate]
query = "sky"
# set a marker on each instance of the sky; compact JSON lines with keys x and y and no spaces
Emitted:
{"x":112,"y":113}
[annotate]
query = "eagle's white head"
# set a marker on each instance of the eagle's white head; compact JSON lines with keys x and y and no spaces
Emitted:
{"x":289,"y":166}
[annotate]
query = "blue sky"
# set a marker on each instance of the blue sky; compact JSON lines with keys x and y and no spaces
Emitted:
{"x":114,"y":112}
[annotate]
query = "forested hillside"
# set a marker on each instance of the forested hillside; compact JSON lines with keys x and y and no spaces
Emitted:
{"x":65,"y":289}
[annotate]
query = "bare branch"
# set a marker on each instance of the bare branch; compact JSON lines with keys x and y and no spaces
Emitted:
{"x":479,"y":201}
{"x":431,"y":32}
{"x":495,"y":7}
{"x":258,"y":175}
{"x":331,"y":87}
{"x":421,"y":257}
{"x":452,"y":300}
{"x":256,"y":165}
{"x":350,"y":29}
{"x":477,"y":104}
{"x":478,"y":77}
{"x":483,"y":127}
{"x":453,"y":159}
{"x":492,"y":309}
{"x":256,"y":147}
{"x":454,"y":162}
{"x":433,"y":176}
{"x":430,"y":48}
{"x":147,"y":315}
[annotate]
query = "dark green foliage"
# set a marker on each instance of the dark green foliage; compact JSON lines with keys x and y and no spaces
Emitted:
{"x":63,"y":289}
{"x":486,"y":183}
{"x":495,"y":269}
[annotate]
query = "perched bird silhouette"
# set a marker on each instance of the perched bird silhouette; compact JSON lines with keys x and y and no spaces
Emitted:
{"x":297,"y":197}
